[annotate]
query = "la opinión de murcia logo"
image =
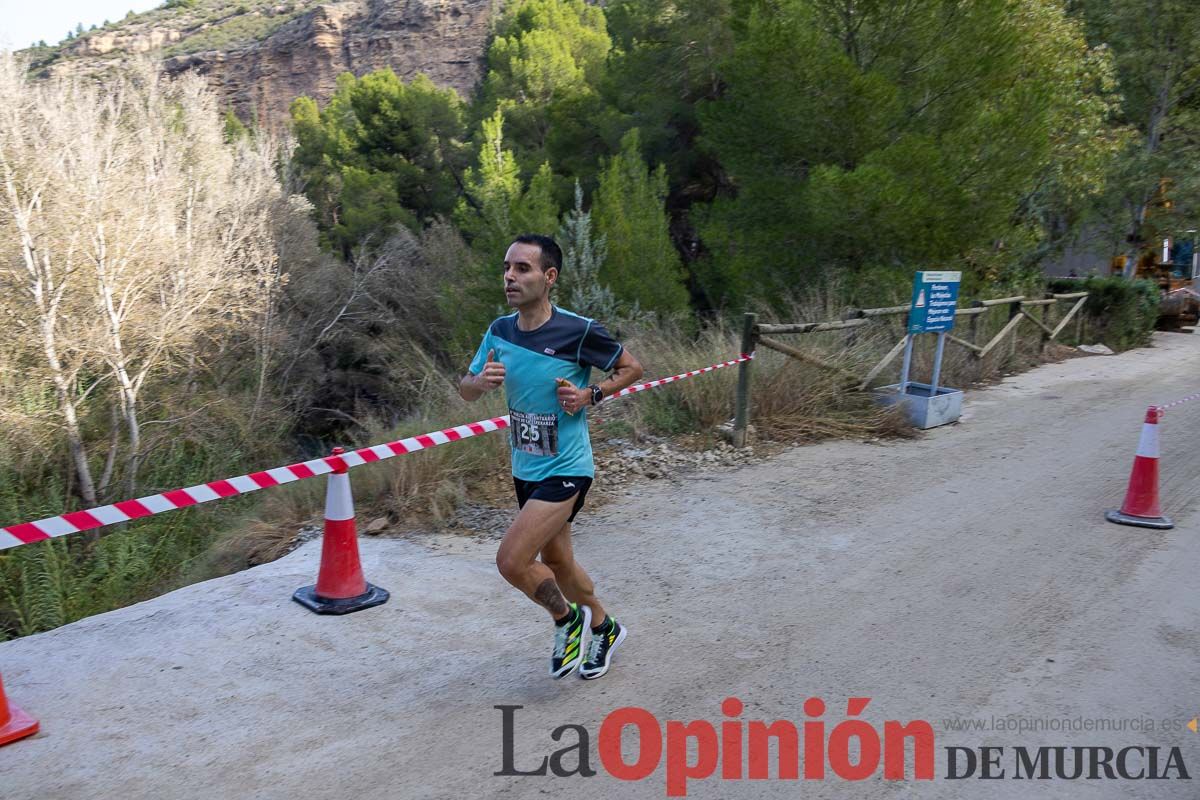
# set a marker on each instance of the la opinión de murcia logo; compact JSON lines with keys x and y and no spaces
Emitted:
{"x":731,"y":745}
{"x":733,"y":749}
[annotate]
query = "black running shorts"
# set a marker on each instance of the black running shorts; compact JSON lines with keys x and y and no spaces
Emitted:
{"x":554,"y":490}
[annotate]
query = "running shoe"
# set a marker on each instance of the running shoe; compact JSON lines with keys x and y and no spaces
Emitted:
{"x":601,"y":648}
{"x":568,"y":642}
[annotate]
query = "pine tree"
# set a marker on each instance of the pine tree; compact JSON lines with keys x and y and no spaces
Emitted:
{"x":643,"y":266}
{"x":381,"y":152}
{"x":547,"y":58}
{"x":893,"y":138}
{"x":497,"y":209}
{"x":536,"y":211}
{"x":494,"y":187}
{"x":500,"y":207}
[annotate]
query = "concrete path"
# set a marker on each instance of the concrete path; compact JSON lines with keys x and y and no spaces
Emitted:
{"x":960,"y":578}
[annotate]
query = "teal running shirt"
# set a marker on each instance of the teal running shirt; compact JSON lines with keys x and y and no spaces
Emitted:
{"x":545,"y":440}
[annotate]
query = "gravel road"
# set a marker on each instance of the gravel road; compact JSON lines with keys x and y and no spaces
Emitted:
{"x":966,"y":575}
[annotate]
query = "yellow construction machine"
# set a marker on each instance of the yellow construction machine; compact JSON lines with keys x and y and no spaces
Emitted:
{"x":1174,"y":268}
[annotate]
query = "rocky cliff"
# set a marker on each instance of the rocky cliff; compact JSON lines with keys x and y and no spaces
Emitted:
{"x":260,"y":59}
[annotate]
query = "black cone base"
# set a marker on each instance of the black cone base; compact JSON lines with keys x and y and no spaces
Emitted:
{"x":1158,"y":523}
{"x":307,"y":596}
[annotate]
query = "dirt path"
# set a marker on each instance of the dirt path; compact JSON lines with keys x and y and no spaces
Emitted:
{"x":967,"y":574}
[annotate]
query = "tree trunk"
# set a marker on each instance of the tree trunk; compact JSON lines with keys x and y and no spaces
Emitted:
{"x":62,"y":387}
{"x":266,"y":334}
{"x":125,"y":386}
{"x":46,"y":299}
{"x":114,"y":444}
{"x":1158,"y":118}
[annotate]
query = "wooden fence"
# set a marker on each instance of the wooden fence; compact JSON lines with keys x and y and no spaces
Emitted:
{"x":1036,"y":312}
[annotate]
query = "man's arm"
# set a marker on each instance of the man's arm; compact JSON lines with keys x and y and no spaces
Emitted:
{"x":624,"y":373}
{"x":472,"y":387}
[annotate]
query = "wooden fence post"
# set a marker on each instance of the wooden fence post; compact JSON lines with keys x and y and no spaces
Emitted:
{"x":1045,"y":324}
{"x":975,"y":339}
{"x":852,"y":333}
{"x":741,"y":416}
{"x":1014,"y":309}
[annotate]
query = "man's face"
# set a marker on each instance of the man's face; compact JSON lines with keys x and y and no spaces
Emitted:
{"x":524,"y":281}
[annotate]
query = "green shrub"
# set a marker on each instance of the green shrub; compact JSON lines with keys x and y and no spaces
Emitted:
{"x":54,"y":582}
{"x":1121,"y":312}
{"x":57,"y":581}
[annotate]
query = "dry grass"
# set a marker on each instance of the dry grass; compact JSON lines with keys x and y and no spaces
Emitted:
{"x":792,"y":400}
{"x":414,"y":488}
{"x":258,"y":542}
{"x":432,"y":483}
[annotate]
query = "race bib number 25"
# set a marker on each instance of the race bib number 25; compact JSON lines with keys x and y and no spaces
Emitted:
{"x":535,"y":434}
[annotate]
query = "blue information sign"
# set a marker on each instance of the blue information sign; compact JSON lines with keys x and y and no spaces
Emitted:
{"x":934,"y":297}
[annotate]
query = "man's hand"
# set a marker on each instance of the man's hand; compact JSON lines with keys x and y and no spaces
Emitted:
{"x":492,"y":375}
{"x":572,"y":398}
{"x":472,"y":387}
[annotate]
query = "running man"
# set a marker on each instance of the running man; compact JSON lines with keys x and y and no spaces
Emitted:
{"x":543,"y":356}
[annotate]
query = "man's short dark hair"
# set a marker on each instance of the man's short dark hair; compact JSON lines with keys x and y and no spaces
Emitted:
{"x":551,"y":252}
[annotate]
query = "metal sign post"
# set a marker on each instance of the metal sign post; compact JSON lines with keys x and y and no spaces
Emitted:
{"x":908,"y":348}
{"x":927,"y":405}
{"x":937,"y":364}
{"x":934,"y":298}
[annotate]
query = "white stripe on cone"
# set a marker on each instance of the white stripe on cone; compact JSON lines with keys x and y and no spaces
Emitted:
{"x":339,"y":505}
{"x":1148,"y":442}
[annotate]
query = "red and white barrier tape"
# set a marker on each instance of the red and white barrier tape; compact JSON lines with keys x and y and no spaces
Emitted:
{"x":127,"y":510}
{"x":1179,"y":402}
{"x":641,"y":387}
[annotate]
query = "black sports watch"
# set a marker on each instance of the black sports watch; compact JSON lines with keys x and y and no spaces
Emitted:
{"x":597,"y":395}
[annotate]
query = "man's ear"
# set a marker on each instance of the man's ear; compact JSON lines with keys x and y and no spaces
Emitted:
{"x":552,"y":276}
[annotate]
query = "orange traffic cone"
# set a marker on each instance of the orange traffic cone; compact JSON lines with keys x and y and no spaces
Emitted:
{"x":1141,"y":500}
{"x":14,"y":723}
{"x":340,"y":587}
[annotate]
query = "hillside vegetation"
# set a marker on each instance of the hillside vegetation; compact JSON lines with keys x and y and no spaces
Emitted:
{"x":177,"y":27}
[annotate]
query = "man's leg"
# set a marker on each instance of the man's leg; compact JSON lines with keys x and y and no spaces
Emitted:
{"x":536,"y":524}
{"x":559,"y":555}
{"x":607,"y":634}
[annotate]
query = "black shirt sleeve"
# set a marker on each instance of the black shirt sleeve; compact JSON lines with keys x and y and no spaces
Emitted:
{"x":598,"y":349}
